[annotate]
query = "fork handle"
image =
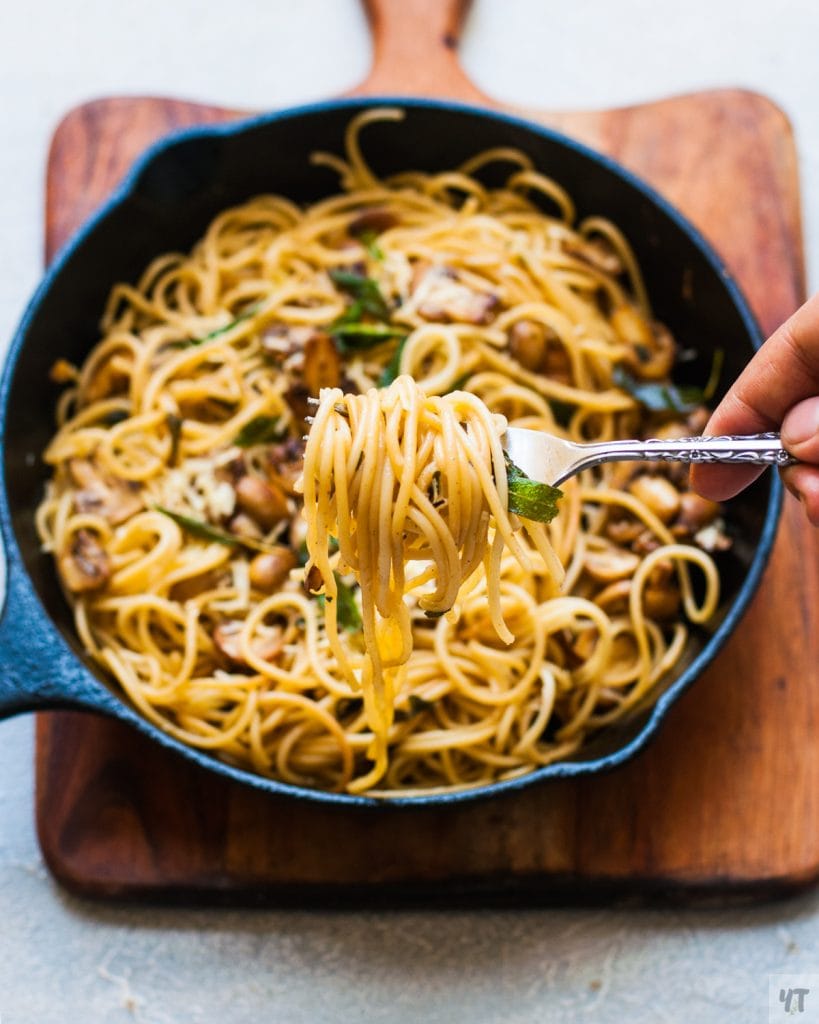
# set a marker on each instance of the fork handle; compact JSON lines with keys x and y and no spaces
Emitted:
{"x":755,"y":449}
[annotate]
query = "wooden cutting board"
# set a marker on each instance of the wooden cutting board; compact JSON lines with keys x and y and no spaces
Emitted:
{"x":725,"y":801}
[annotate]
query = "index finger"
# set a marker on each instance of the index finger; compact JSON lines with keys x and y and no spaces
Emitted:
{"x":783,"y":372}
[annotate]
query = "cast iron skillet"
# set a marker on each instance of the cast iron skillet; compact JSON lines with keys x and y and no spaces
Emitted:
{"x":165,"y":203}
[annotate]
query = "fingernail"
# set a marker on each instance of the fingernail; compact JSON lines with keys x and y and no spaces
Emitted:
{"x":802,"y":423}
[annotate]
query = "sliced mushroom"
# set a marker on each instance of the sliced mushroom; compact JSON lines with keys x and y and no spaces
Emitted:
{"x":109,"y":378}
{"x":596,"y":252}
{"x":695,"y":513}
{"x":313,"y":580}
{"x":658,"y":494}
{"x":713,"y":538}
{"x":322,"y":364}
{"x":298,"y":397}
{"x":245,"y":526}
{"x":661,"y":597}
{"x":538,"y":348}
{"x":623,"y":531}
{"x":265,"y":502}
{"x":85,"y":564}
{"x":103,"y":495}
{"x":193,"y":586}
{"x":645,"y":542}
{"x":375,"y":220}
{"x":610,"y":563}
{"x":614,"y":596}
{"x":286,"y":463}
{"x":283,"y":340}
{"x":442,"y":298}
{"x":651,"y":343}
{"x":226,"y":640}
{"x":271,"y":568}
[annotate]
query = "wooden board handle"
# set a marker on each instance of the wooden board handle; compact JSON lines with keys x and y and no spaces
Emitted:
{"x":415,"y":44}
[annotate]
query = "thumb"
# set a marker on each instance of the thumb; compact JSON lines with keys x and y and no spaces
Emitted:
{"x":800,"y":431}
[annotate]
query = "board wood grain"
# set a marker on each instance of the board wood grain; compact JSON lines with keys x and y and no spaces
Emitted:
{"x":725,"y":801}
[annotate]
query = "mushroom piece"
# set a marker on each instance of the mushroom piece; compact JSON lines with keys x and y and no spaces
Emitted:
{"x":658,"y":494}
{"x":610,"y":563}
{"x":442,"y":298}
{"x":652,"y":346}
{"x":322,"y":364}
{"x":624,"y":530}
{"x":84,"y":565}
{"x":286,"y":463}
{"x":375,"y":219}
{"x":596,"y":252}
{"x":104,"y":495}
{"x":283,"y":340}
{"x":245,"y":526}
{"x":695,"y":512}
{"x":538,"y":348}
{"x":266,"y":503}
{"x":270,"y":569}
{"x":226,"y":641}
{"x":661,"y":597}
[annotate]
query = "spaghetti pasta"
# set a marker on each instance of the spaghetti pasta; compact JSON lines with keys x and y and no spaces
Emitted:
{"x":385,"y":623}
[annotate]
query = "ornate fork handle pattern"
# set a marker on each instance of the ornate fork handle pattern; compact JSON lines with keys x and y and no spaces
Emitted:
{"x":758,"y":449}
{"x":755,"y":449}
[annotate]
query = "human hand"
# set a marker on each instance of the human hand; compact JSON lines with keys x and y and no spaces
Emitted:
{"x":777,"y":390}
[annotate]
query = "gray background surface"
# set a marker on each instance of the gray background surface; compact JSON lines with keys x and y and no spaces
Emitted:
{"x":62,"y":960}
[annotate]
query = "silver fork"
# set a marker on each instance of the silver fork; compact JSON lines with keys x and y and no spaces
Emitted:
{"x":552,"y":460}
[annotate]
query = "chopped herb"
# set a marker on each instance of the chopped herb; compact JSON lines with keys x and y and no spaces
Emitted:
{"x":660,"y":397}
{"x":356,"y":336}
{"x":260,"y":430}
{"x":347,"y":614}
{"x":198,"y":528}
{"x":369,"y":239}
{"x":204,"y":531}
{"x":187,"y":342}
{"x":529,"y":498}
{"x":365,"y":290}
{"x":393,"y":367}
{"x":175,"y":430}
{"x":434,"y":615}
{"x":349,"y":617}
{"x":417,"y":705}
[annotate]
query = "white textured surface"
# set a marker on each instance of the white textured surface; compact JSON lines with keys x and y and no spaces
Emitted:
{"x":66,"y":961}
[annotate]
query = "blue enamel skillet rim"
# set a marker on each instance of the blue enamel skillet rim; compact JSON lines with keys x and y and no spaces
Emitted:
{"x":39,"y":669}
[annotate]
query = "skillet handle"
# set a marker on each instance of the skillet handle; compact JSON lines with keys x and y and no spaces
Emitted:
{"x":415,"y":50}
{"x":37,"y":670}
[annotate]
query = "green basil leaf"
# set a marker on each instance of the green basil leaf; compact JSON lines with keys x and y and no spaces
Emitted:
{"x":204,"y":531}
{"x":393,"y":367}
{"x":248,"y":313}
{"x":365,"y":290}
{"x":347,"y":613}
{"x":529,"y":498}
{"x":259,"y":430}
{"x":668,"y":397}
{"x":369,"y":239}
{"x":361,"y":335}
